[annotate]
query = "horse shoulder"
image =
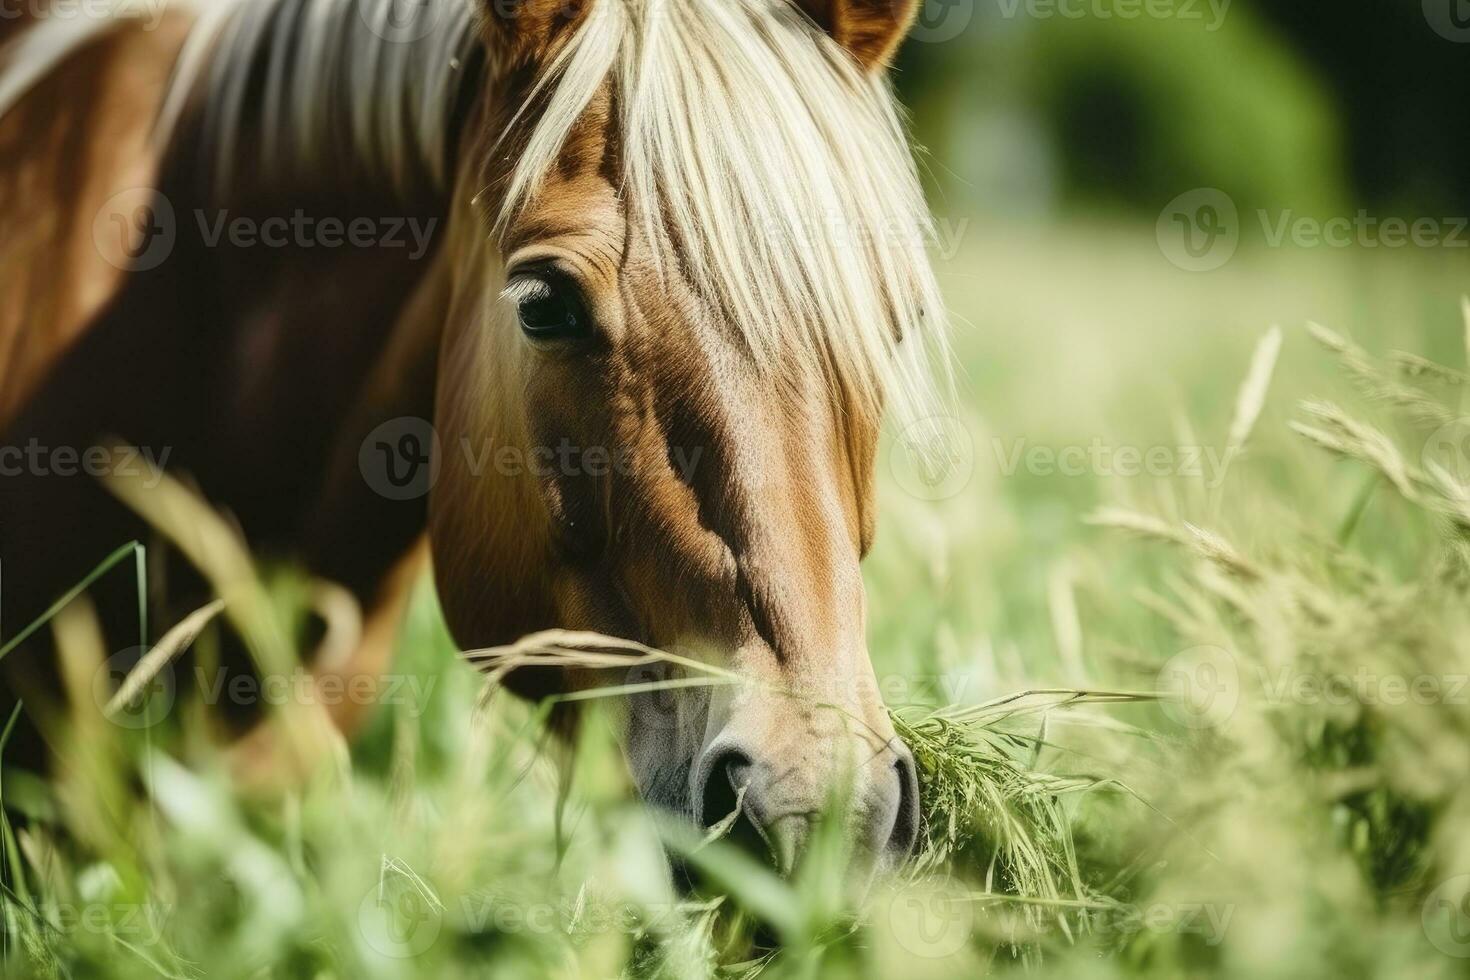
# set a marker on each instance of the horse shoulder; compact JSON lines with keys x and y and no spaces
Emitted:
{"x":77,"y":145}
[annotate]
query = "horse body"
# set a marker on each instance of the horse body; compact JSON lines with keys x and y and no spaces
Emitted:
{"x":138,"y":317}
{"x":79,"y":136}
{"x":634,"y":258}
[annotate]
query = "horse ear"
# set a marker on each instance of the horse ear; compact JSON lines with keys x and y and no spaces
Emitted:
{"x":525,"y":31}
{"x":870,"y":30}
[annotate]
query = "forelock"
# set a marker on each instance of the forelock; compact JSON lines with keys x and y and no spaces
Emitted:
{"x":779,"y":172}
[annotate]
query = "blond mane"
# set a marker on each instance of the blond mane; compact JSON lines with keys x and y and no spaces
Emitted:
{"x":780,"y":170}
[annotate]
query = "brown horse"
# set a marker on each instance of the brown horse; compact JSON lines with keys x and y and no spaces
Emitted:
{"x":653,"y":268}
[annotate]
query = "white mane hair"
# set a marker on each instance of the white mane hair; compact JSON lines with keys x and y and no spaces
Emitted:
{"x":327,"y":88}
{"x":780,"y":170}
{"x":32,"y":55}
{"x":292,"y":88}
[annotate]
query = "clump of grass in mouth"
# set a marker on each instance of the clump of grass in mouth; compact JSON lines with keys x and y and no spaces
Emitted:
{"x":972,"y":767}
{"x":974,"y":773}
{"x":984,"y":796}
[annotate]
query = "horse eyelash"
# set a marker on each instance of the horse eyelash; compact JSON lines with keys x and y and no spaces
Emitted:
{"x":523,"y":288}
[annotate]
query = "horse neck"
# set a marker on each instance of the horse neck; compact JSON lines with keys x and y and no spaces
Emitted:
{"x":311,"y":95}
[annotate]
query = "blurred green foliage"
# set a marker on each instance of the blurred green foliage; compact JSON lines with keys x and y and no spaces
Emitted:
{"x":1039,"y":107}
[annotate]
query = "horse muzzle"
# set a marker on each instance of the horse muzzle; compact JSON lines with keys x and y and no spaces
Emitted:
{"x":772,"y":783}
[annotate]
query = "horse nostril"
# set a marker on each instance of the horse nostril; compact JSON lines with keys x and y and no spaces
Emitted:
{"x":724,"y":777}
{"x":733,"y":795}
{"x":728,"y":787}
{"x":906,"y":822}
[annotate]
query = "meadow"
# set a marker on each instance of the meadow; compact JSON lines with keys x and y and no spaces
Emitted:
{"x":1180,"y":637}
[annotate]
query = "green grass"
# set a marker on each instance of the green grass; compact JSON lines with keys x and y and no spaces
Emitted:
{"x":1294,"y":806}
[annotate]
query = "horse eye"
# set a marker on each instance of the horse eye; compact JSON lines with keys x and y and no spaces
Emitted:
{"x":552,"y":309}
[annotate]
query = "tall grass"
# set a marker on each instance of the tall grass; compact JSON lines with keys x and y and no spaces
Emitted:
{"x":1164,"y":726}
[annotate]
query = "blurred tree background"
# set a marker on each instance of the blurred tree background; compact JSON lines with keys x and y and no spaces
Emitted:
{"x":1032,"y":108}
